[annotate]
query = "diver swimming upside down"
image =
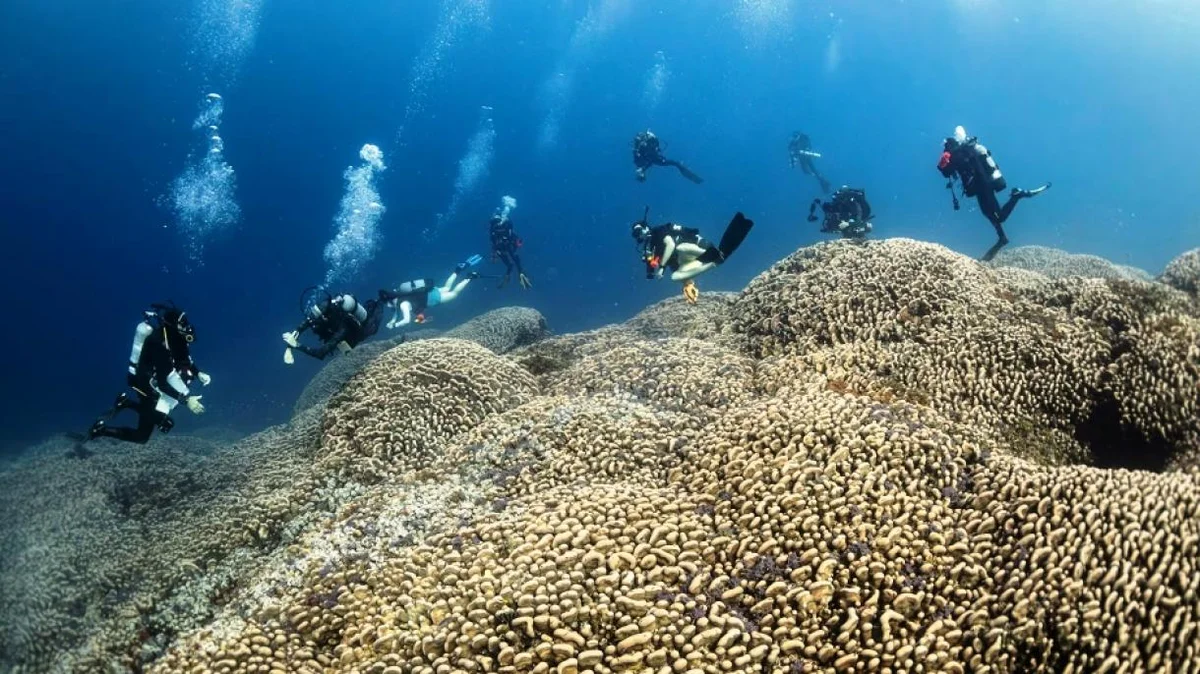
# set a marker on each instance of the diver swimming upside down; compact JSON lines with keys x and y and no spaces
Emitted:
{"x":683,"y":251}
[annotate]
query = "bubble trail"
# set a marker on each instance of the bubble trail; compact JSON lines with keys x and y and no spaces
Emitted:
{"x":357,"y":223}
{"x":473,"y":169}
{"x":656,"y":82}
{"x":202,"y":197}
{"x":456,"y":20}
{"x":223,"y":35}
{"x":601,"y":18}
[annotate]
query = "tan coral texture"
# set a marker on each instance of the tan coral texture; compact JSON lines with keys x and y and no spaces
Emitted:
{"x":881,"y":457}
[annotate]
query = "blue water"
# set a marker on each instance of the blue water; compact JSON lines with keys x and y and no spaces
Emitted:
{"x":97,"y":102}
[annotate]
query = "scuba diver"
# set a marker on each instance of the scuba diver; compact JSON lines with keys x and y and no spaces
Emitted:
{"x":160,"y":371}
{"x":683,"y":251}
{"x":965,"y":158}
{"x":340,"y":323}
{"x":411,"y":298}
{"x":647,"y":152}
{"x":800,"y":152}
{"x":505,"y":243}
{"x":848,"y":213}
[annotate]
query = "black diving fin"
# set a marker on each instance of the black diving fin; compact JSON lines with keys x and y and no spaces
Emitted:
{"x":735,"y":234}
{"x":733,"y":237}
{"x":687,"y":173}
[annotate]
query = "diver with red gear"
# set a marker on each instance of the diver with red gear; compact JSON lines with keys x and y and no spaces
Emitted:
{"x":968,"y":160}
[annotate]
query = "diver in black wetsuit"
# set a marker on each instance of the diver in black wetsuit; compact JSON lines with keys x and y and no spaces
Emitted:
{"x":683,"y":251}
{"x":160,"y":371}
{"x":340,"y":322}
{"x":505,"y":243}
{"x":965,"y":158}
{"x":647,"y":152}
{"x":848,"y":213}
{"x":800,"y":152}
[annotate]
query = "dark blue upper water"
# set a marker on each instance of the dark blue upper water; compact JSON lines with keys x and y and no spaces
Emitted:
{"x":97,"y":102}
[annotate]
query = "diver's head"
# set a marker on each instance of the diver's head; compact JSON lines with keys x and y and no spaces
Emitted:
{"x":951,"y":144}
{"x":316,"y":310}
{"x":640,"y":231}
{"x":496,"y":220}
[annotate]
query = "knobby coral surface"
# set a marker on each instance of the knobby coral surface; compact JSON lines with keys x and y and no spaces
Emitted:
{"x":881,"y":457}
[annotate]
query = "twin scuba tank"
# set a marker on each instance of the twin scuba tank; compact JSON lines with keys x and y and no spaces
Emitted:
{"x":347,"y":303}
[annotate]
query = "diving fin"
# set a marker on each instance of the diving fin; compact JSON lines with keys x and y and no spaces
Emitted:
{"x":735,"y":234}
{"x":474,"y":260}
{"x":687,"y":173}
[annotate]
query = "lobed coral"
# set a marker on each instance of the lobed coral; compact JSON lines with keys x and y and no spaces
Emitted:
{"x":1183,"y":273}
{"x":873,"y":459}
{"x":1057,"y":263}
{"x":1076,"y":370}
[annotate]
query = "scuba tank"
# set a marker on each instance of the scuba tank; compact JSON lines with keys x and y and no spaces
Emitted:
{"x":353,"y":309}
{"x":985,"y":167}
{"x":412,"y":287}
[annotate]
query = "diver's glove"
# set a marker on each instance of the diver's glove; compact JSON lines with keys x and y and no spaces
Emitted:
{"x":690,"y":292}
{"x":288,"y":358}
{"x":290,"y":338}
{"x":194,"y":404}
{"x":524,"y":281}
{"x":204,"y":378}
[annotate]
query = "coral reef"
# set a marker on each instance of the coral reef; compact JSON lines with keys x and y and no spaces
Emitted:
{"x":334,"y":374}
{"x":1073,"y":370}
{"x":500,"y":330}
{"x":1057,"y":263}
{"x":1184,"y":273}
{"x":879,"y":457}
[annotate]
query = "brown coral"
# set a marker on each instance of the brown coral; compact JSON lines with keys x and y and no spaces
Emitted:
{"x":1080,"y":366}
{"x":1184,"y":273}
{"x":848,"y":492}
{"x":1057,"y":263}
{"x":394,"y":415}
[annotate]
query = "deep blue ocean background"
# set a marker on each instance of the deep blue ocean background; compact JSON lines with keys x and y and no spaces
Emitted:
{"x":97,"y":102}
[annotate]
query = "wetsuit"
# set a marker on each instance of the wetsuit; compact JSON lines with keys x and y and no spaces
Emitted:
{"x":664,"y":249}
{"x":160,"y":371}
{"x":344,"y":324}
{"x":505,"y":243}
{"x":686,"y":253}
{"x":647,"y":152}
{"x":848,"y":213}
{"x":798,"y":148}
{"x":973,"y":164}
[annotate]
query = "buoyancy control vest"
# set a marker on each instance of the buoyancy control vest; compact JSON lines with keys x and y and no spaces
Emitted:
{"x":416,"y":293}
{"x":977,"y":168}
